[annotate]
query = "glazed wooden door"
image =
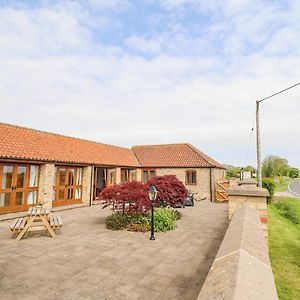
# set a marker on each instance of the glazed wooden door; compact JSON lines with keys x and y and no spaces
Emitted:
{"x":67,"y":185}
{"x":19,"y":187}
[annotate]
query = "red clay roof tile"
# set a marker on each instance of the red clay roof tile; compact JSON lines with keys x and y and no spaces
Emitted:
{"x":24,"y":143}
{"x":173,"y":155}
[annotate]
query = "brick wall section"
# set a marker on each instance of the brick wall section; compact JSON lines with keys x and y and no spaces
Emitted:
{"x":45,"y":195}
{"x":241,"y":269}
{"x":86,"y":185}
{"x":249,"y":195}
{"x":203,"y":179}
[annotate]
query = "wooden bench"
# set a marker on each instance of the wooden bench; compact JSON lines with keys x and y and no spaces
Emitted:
{"x":18,"y":225}
{"x":55,"y":222}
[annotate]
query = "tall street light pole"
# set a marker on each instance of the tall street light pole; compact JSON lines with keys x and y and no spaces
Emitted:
{"x":259,"y":166}
{"x":259,"y":177}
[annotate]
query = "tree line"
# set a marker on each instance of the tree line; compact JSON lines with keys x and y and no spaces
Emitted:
{"x":272,"y":166}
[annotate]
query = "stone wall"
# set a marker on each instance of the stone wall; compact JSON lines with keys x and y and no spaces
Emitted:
{"x":86,"y":184}
{"x":203,"y":179}
{"x":248,"y":194}
{"x":241,"y":269}
{"x":45,"y":195}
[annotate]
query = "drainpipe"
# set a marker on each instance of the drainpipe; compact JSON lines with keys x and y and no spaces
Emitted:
{"x":91,"y":186}
{"x":210,"y":183}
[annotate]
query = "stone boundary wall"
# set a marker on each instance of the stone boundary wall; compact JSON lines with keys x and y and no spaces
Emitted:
{"x":241,"y":269}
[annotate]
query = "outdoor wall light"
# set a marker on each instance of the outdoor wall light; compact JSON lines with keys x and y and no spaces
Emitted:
{"x":152,"y":193}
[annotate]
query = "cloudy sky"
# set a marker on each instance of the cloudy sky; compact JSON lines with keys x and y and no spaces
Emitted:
{"x":132,"y":72}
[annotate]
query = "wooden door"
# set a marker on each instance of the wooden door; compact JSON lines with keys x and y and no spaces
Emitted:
{"x":67,"y":185}
{"x":18,"y":187}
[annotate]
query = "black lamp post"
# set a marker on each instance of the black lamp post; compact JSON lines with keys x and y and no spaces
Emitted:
{"x":152,"y":196}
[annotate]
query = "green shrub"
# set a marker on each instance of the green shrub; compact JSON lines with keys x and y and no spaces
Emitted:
{"x":177,"y":215}
{"x":268,"y":183}
{"x":117,"y":221}
{"x":294,"y":172}
{"x":289,"y":209}
{"x":164,"y":220}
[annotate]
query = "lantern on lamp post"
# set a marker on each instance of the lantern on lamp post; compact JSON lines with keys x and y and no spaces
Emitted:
{"x":152,"y":193}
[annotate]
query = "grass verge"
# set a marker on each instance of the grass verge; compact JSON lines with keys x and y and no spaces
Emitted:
{"x":284,"y":248}
{"x":283,"y":184}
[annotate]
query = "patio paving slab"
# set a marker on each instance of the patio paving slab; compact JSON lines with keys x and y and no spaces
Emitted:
{"x":88,"y":261}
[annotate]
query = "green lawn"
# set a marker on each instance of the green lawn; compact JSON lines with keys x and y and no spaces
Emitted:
{"x":282,"y":186}
{"x":284,"y":247}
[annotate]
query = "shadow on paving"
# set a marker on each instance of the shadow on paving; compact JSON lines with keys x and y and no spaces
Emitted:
{"x":88,"y":261}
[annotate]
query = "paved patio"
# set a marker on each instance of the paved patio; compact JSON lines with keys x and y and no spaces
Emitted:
{"x":87,"y":261}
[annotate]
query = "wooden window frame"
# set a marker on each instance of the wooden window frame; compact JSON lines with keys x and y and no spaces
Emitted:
{"x":128,"y":174}
{"x":108,"y":181}
{"x":56,"y":188}
{"x":148,"y":170}
{"x":187,"y":172}
{"x":26,"y":189}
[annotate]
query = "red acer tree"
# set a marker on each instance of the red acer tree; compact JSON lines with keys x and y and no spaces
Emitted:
{"x":132,"y":197}
{"x":170,"y":189}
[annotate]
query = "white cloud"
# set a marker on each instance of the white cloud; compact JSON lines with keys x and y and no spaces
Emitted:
{"x":55,"y":76}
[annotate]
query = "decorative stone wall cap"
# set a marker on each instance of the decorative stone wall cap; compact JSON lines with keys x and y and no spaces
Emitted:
{"x":246,"y":191}
{"x":248,"y":182}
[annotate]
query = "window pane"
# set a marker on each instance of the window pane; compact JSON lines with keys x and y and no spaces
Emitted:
{"x":188,"y":177}
{"x":71,"y":176}
{"x":194,"y":180}
{"x":61,"y":194}
{"x":31,"y":198}
{"x":79,"y":176}
{"x":70,"y":194}
{"x":19,"y":198}
{"x":7,"y":177}
{"x":54,"y":195}
{"x":111,"y":176}
{"x":132,"y":175}
{"x":34,"y":175}
{"x":78,"y":194}
{"x":152,"y":174}
{"x":5,"y":199}
{"x":123,"y":175}
{"x":21,"y":177}
{"x":145,"y":176}
{"x":62,"y":177}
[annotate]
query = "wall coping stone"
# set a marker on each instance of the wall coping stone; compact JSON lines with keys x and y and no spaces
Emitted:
{"x":247,"y":191}
{"x":250,"y":183}
{"x":242,"y":268}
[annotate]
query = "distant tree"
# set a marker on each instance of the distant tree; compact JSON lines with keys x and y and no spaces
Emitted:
{"x":275,"y":166}
{"x":232,"y":171}
{"x":250,"y":169}
{"x":293,"y":173}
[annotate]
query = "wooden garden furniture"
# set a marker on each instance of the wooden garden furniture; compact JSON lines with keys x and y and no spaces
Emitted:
{"x":37,"y":219}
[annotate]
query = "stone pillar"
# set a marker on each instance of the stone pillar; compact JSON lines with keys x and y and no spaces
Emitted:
{"x":248,"y":194}
{"x":118,"y":175}
{"x":86,"y":184}
{"x":139,"y":175}
{"x":46,"y":185}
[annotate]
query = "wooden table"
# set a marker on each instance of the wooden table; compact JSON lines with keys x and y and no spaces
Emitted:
{"x":36,"y":220}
